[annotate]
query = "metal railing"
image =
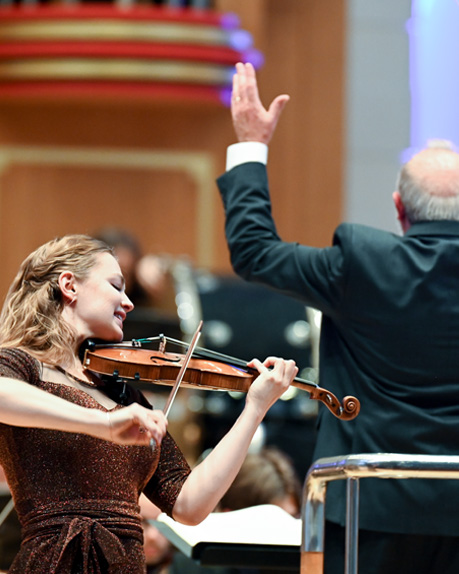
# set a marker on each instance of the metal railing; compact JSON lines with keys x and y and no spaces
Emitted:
{"x":352,"y":468}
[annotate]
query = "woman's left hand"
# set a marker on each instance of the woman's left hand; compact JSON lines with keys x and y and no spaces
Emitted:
{"x":275,"y":377}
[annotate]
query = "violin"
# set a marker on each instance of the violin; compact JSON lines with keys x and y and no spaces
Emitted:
{"x":205,"y":369}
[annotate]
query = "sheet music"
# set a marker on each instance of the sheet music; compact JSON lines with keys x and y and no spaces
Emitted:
{"x":258,"y":525}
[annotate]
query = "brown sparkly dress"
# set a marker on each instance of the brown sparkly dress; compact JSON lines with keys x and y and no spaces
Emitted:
{"x":77,"y":496}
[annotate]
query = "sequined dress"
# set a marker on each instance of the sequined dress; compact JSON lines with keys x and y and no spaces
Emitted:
{"x":77,"y":496}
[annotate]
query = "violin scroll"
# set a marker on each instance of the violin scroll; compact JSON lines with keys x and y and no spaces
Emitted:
{"x":346,"y":411}
{"x":351,"y":408}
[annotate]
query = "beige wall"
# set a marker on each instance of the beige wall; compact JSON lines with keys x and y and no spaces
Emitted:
{"x":74,"y":166}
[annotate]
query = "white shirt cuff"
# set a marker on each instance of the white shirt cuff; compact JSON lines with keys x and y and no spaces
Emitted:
{"x":244,"y":152}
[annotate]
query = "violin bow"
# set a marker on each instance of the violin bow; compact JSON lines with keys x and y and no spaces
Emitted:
{"x":186,"y":360}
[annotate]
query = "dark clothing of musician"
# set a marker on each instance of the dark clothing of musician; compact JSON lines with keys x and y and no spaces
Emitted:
{"x":389,"y":336}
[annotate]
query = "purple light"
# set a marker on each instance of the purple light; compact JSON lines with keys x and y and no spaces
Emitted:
{"x":225,"y":96}
{"x":434,"y":45}
{"x":240,"y":40}
{"x":254,"y":57}
{"x":230,"y":21}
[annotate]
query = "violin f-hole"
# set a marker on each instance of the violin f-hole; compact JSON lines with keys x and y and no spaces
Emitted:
{"x":172,"y":360}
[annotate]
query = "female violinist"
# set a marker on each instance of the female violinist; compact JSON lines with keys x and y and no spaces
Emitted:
{"x":76,"y":460}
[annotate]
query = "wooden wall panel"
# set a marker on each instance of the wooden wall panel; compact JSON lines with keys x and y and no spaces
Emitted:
{"x":55,"y":200}
{"x":54,"y":190}
{"x":303,"y":45}
{"x":304,"y":50}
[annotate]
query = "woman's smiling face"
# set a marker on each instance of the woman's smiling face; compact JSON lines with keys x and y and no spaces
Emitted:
{"x":101,"y":304}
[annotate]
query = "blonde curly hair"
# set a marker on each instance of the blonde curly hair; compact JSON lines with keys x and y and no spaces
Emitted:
{"x":31,"y":317}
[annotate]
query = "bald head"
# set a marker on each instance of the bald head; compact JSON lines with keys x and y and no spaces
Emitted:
{"x":429,"y":185}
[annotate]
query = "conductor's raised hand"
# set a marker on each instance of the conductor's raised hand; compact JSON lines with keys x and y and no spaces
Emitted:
{"x":276,"y":375}
{"x":136,"y":425}
{"x":251,"y":121}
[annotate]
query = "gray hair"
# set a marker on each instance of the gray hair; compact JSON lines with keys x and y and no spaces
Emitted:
{"x":427,"y":190}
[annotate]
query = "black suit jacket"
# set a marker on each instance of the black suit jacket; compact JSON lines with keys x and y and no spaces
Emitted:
{"x":390,"y":336}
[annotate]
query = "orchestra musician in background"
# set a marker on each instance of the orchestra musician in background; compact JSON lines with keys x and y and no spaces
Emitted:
{"x":145,"y":275}
{"x":76,"y":456}
{"x":389,"y":335}
{"x":159,"y":551}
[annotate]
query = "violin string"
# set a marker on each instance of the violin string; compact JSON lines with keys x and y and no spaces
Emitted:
{"x":186,"y":360}
{"x":200,"y":352}
{"x":347,"y":412}
{"x":209,"y":354}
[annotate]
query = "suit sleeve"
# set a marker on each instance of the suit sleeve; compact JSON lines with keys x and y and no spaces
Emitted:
{"x":258,"y":254}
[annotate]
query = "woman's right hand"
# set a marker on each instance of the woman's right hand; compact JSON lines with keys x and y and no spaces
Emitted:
{"x":24,"y":405}
{"x":135,"y":425}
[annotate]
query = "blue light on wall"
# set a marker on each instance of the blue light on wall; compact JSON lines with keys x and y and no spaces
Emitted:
{"x":434,"y":76}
